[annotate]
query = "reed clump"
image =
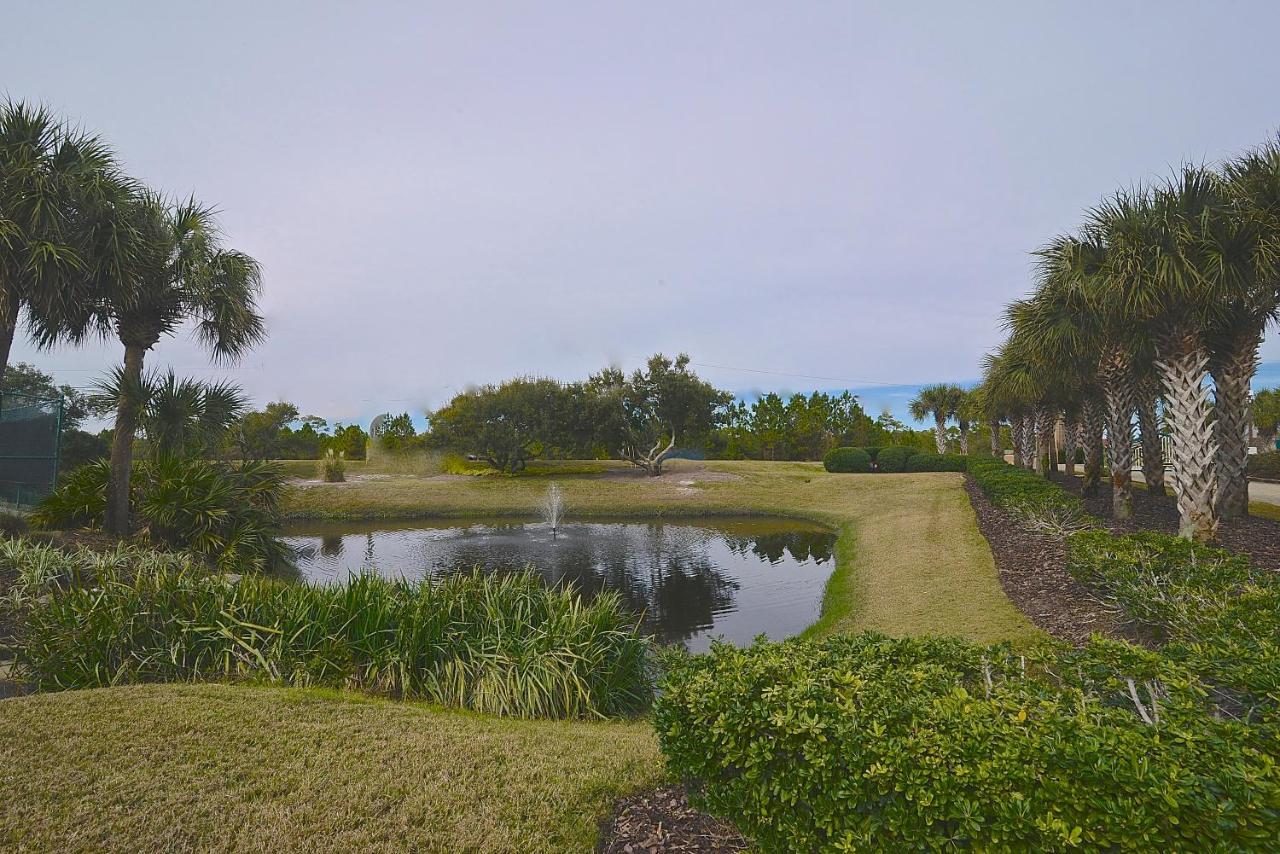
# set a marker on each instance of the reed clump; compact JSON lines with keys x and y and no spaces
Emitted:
{"x":502,"y":644}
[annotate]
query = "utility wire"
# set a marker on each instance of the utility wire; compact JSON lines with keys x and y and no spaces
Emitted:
{"x":854,"y":383}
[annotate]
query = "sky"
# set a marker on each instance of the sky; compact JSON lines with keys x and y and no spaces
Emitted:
{"x":799,"y":195}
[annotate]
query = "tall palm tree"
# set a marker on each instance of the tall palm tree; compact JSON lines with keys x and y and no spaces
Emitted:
{"x":177,"y":273}
{"x":966,"y":414}
{"x":939,"y":402}
{"x":51,"y":176}
{"x":1174,"y":257}
{"x":1149,"y":431}
{"x":1253,"y":183}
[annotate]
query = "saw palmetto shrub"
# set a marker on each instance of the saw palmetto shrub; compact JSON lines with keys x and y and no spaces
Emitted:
{"x":847,"y":460}
{"x":502,"y":644}
{"x":871,"y":743}
{"x":1211,"y":610}
{"x":1041,"y":503}
{"x":226,"y":514}
{"x":925,"y":461}
{"x":894,"y":458}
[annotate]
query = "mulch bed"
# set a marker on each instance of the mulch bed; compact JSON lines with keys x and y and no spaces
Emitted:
{"x":1034,"y":577}
{"x":1253,"y":536}
{"x":662,"y":821}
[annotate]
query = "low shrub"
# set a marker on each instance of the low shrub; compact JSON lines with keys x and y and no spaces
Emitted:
{"x":1214,"y":612}
{"x":1040,"y":502}
{"x":226,"y":514}
{"x":894,"y":458}
{"x":333,"y":466}
{"x":936,"y":462}
{"x":507,"y":645}
{"x":873,"y":451}
{"x":12,"y":524}
{"x":885,"y":744}
{"x":847,"y":460}
{"x":1265,"y":465}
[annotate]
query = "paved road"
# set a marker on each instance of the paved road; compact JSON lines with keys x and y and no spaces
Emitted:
{"x":1268,"y":493}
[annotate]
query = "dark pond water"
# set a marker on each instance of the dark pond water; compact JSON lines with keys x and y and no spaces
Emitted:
{"x":692,"y":580}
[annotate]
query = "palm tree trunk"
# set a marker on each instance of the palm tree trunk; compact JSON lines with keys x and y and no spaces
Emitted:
{"x":964,"y":438}
{"x":1183,"y":366}
{"x":117,"y":521}
{"x":8,"y":328}
{"x":940,"y":433}
{"x":1120,"y":392}
{"x":1149,"y":431}
{"x":997,"y":447}
{"x":1044,"y":440}
{"x":1233,"y":409}
{"x":1094,"y":416}
{"x":1029,"y":441}
{"x":1015,"y":438}
{"x":1069,"y":425}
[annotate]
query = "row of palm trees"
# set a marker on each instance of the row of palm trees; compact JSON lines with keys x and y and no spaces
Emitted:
{"x":1157,"y":303}
{"x":88,"y":252}
{"x":943,"y":402}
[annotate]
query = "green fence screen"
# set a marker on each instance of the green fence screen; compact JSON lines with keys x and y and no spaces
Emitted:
{"x":29,"y":444}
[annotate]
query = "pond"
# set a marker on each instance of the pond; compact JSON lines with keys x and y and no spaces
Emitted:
{"x":692,"y":580}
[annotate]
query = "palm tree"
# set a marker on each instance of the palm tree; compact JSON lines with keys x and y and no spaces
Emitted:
{"x":176,"y":272}
{"x":940,"y":402}
{"x":1253,"y":183}
{"x":1012,"y":386}
{"x":51,"y":176}
{"x":966,"y":413}
{"x":983,"y":405}
{"x":1149,"y":431}
{"x":1174,"y":259}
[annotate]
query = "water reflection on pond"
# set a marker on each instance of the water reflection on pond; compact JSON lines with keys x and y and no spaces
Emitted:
{"x":693,"y":580}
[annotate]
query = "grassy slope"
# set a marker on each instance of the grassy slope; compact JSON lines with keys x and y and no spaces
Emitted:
{"x":223,"y":768}
{"x":184,"y":767}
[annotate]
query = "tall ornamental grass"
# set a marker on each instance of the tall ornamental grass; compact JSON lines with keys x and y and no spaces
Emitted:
{"x":506,"y":645}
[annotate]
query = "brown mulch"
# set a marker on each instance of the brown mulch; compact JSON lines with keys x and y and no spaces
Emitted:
{"x":1253,"y":536}
{"x":1032,"y":567}
{"x":661,"y":820}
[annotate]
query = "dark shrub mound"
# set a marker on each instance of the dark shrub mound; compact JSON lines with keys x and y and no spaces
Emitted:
{"x":1265,"y":466}
{"x":937,"y":462}
{"x":871,"y":743}
{"x":873,"y":451}
{"x":894,"y":459}
{"x":12,"y":524}
{"x":847,"y":460}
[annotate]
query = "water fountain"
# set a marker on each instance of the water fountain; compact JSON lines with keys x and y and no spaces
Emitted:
{"x":553,"y":508}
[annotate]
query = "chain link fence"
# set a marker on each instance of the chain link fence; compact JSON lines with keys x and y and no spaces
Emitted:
{"x":30,"y":431}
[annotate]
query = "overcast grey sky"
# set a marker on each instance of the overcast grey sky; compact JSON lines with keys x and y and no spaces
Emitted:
{"x":445,"y":194}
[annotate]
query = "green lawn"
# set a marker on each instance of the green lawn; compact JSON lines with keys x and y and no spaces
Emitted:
{"x":182,"y":767}
{"x":223,"y":768}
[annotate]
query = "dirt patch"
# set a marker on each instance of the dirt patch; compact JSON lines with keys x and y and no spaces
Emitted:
{"x":1032,"y":568}
{"x":1253,"y":536}
{"x":662,"y":821}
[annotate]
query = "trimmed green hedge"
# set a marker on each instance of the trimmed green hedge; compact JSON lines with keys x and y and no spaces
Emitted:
{"x":894,"y":458}
{"x":1029,"y":495}
{"x":871,"y":743}
{"x":1217,"y":615}
{"x":847,"y":460}
{"x":937,"y":462}
{"x":1265,"y":466}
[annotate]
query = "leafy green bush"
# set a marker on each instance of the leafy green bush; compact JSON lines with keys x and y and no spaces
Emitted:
{"x":873,"y":451}
{"x":1215,"y":613}
{"x":506,"y":645}
{"x":1265,"y":466}
{"x":1040,"y":502}
{"x":894,"y":458}
{"x":937,"y":462}
{"x":847,"y":460}
{"x":226,"y":514}
{"x":930,"y":743}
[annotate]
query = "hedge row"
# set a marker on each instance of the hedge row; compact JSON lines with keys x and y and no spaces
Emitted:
{"x":1028,"y":494}
{"x":891,"y":459}
{"x":871,"y":743}
{"x":1266,"y":466}
{"x":1214,"y":612}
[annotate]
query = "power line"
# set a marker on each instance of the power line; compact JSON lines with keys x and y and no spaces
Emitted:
{"x":854,"y":383}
